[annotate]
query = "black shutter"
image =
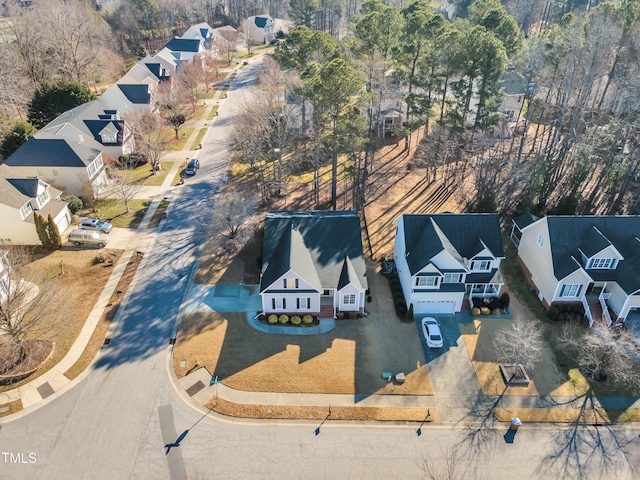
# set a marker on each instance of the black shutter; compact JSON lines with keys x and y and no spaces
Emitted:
{"x":284,"y":280}
{"x":308,"y":303}
{"x":296,"y":283}
{"x":273,"y":303}
{"x":297,"y":303}
{"x":284,"y":303}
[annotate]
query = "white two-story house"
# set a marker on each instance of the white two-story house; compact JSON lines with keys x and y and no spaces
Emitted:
{"x":313,"y":263}
{"x":593,"y":260}
{"x":20,"y":197}
{"x":443,"y":259}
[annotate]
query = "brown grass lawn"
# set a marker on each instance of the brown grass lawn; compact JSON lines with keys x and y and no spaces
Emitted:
{"x":97,"y":338}
{"x":218,"y":266}
{"x":546,"y":377}
{"x":14,"y":407}
{"x":81,"y":284}
{"x":317,"y":413}
{"x":350,"y":359}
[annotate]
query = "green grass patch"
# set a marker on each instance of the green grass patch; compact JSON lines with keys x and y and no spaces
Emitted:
{"x":212,"y":93}
{"x":199,"y":137}
{"x":144,"y":173}
{"x":515,"y":279}
{"x":158,"y":215}
{"x":176,"y":144}
{"x":113,"y":211}
{"x":213,"y":112}
{"x":196,"y":114}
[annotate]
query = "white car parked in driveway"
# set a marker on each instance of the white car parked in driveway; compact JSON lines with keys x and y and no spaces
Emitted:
{"x":431,"y":332}
{"x":95,"y":224}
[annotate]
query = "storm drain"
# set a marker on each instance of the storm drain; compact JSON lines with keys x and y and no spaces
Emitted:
{"x":195,"y":388}
{"x":106,"y":341}
{"x":45,"y":390}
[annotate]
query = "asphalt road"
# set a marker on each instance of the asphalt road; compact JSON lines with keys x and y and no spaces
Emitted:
{"x":125,"y":420}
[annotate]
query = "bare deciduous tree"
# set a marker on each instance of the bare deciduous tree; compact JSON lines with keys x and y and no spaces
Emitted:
{"x":231,"y":211}
{"x":519,"y":344}
{"x":28,"y":298}
{"x":150,"y":137}
{"x":226,"y":48}
{"x":124,"y":185}
{"x":605,"y":353}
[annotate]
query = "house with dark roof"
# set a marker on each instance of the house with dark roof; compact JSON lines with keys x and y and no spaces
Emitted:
{"x":20,"y":197}
{"x":93,"y":120}
{"x":313,"y":263}
{"x":593,"y":260}
{"x":202,"y":32}
{"x":61,"y":161}
{"x":444,"y":258}
{"x":186,"y":48}
{"x":259,"y":28}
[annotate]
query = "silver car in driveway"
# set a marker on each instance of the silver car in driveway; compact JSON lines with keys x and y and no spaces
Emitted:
{"x":95,"y":224}
{"x":431,"y":332}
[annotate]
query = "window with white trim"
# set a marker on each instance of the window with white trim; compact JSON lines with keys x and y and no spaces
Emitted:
{"x":44,"y":197}
{"x":278,"y":303}
{"x":55,"y":172}
{"x":480,"y":265}
{"x":540,"y":240}
{"x":304,"y":303}
{"x":26,"y":210}
{"x":427,"y":281}
{"x":601,"y":263}
{"x":349,"y":299}
{"x":452,"y":278}
{"x":570,"y":290}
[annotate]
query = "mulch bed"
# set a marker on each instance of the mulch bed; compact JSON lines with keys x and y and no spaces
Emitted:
{"x":13,"y":370}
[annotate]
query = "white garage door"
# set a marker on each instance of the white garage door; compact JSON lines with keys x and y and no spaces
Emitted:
{"x":64,"y":223}
{"x":442,"y":307}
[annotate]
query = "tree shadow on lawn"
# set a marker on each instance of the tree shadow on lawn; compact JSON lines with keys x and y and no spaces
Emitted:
{"x":342,"y":361}
{"x":547,"y":377}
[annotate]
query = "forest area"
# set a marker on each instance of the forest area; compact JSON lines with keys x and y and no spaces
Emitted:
{"x":352,"y":74}
{"x":571,"y":148}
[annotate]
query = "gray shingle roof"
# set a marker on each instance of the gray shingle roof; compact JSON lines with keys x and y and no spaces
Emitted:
{"x":348,"y":275}
{"x":9,"y":194}
{"x":567,"y":234}
{"x":462,"y":235}
{"x":525,"y":220}
{"x":184,"y":45}
{"x":136,"y":93}
{"x":50,"y":151}
{"x":260,"y":21}
{"x":315,"y":245}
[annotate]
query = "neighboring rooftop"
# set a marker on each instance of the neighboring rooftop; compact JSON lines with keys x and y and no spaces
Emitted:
{"x":570,"y":234}
{"x":51,"y":151}
{"x":463,"y":235}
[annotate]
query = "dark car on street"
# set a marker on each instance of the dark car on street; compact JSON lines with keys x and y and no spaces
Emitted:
{"x":193,"y":167}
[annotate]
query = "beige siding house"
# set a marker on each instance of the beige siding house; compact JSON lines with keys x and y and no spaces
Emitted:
{"x":592,"y":260}
{"x":20,"y":197}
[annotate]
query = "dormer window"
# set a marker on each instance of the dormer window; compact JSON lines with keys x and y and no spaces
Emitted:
{"x":427,"y":281}
{"x":43,"y":198}
{"x":601,"y":263}
{"x":26,"y":210}
{"x":480,"y":265}
{"x":108,"y":137}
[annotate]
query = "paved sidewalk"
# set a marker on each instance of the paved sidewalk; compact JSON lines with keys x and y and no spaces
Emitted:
{"x":53,"y":382}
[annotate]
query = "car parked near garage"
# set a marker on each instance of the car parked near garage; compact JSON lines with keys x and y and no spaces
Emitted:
{"x":88,"y":237}
{"x":432,"y":333}
{"x":95,"y":224}
{"x":193,"y":167}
